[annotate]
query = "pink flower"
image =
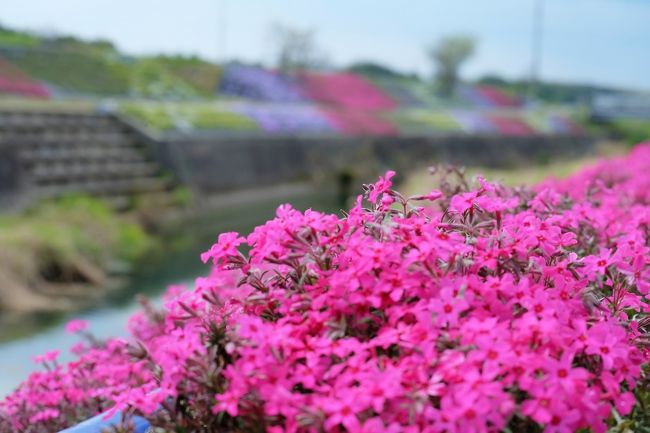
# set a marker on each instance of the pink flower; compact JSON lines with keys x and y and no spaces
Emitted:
{"x":448,"y":306}
{"x":463,"y":202}
{"x":390,"y":319}
{"x":605,"y":340}
{"x":44,"y":415}
{"x":49,"y":356}
{"x":343,"y":411}
{"x":382,"y":185}
{"x":76,"y":325}
{"x":597,"y":265}
{"x":226,"y":246}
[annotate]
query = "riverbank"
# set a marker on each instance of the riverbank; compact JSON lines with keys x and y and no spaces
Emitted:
{"x":57,"y":254}
{"x":169,"y":253}
{"x":528,"y":174}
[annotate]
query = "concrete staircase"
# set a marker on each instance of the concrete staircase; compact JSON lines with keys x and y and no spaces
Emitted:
{"x":97,"y":154}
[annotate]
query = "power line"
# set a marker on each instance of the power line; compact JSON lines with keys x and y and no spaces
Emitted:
{"x":537,"y":46}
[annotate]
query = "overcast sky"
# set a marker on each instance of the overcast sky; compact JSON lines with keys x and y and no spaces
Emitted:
{"x":594,"y":41}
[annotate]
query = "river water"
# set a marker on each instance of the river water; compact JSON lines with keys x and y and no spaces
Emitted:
{"x":178,"y":263}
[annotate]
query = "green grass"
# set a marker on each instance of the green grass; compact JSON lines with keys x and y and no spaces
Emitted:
{"x":526,"y":175}
{"x":418,"y":120}
{"x":75,"y":71}
{"x":198,"y":115}
{"x":203,"y":77}
{"x":12,"y":103}
{"x":73,"y":232}
{"x":631,"y":131}
{"x":97,"y":68}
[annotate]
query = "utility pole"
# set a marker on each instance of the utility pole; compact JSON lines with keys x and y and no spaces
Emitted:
{"x":537,"y":46}
{"x":222,"y":30}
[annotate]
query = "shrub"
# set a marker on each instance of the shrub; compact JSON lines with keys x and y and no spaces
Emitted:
{"x":489,"y":309}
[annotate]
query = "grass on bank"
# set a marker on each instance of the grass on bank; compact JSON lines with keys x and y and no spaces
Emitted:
{"x":63,"y":248}
{"x":525,"y":175}
{"x":192,"y":115}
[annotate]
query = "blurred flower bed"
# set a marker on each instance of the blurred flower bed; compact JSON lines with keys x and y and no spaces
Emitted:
{"x":360,"y":122}
{"x":289,"y":118}
{"x":250,"y":82}
{"x":276,"y":117}
{"x":14,"y":82}
{"x":345,"y":90}
{"x":186,"y":93}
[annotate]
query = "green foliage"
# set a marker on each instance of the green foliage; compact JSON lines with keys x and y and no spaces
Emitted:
{"x":377,"y":70}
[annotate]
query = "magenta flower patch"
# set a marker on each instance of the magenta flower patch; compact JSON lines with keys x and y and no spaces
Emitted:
{"x":490,"y":309}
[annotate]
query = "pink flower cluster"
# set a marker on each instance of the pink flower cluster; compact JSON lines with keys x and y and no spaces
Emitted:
{"x":345,"y":90}
{"x":476,"y":310}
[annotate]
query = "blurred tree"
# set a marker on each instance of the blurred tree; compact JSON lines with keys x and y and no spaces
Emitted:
{"x":448,"y":56}
{"x":378,"y":70}
{"x":296,"y":49}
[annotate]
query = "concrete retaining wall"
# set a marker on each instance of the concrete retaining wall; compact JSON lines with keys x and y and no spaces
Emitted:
{"x":45,"y":155}
{"x":216,"y":164}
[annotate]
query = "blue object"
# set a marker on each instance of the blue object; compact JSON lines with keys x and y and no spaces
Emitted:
{"x":97,"y":423}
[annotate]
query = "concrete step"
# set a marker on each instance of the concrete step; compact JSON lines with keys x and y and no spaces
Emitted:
{"x":81,"y":153}
{"x":95,"y":154}
{"x":95,"y":169}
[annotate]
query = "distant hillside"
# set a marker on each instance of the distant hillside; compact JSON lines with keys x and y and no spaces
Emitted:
{"x":74,"y":66}
{"x":558,"y":93}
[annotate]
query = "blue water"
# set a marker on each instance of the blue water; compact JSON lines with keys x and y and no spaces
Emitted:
{"x":16,"y":356}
